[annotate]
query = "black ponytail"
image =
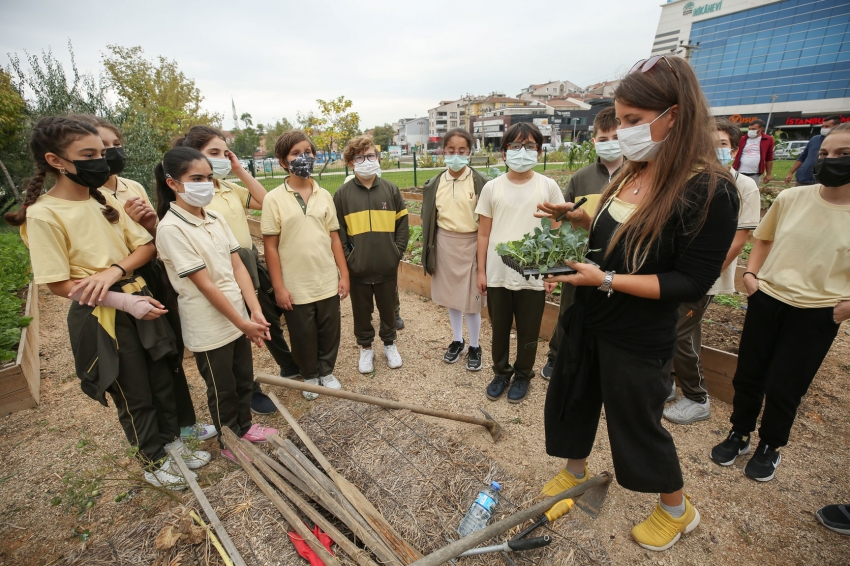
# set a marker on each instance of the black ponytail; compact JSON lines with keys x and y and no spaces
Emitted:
{"x":175,"y":163}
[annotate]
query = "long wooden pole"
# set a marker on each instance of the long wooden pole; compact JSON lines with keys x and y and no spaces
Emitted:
{"x":189,"y":476}
{"x":492,"y":426}
{"x":231,"y":441}
{"x":351,"y":549}
{"x":402,"y":549}
{"x":472,"y":540}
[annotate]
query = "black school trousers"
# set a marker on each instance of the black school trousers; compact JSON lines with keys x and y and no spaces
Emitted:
{"x":782,"y":348}
{"x":633,"y":390}
{"x":143,"y":394}
{"x":229,"y":374}
{"x":525,"y":308}
{"x":314,"y":330}
{"x":364,"y":298}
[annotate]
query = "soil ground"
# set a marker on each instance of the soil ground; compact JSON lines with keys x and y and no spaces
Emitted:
{"x":55,"y":456}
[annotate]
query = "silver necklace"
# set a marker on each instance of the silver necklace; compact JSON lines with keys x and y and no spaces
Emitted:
{"x":637,"y":190}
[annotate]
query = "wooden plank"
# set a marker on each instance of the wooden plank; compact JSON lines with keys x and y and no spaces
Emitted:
{"x":254,"y":227}
{"x":411,"y":196}
{"x":719,"y":369}
{"x":414,"y":219}
{"x":20,"y":384}
{"x":739,"y":279}
{"x":414,"y":279}
{"x":208,"y":509}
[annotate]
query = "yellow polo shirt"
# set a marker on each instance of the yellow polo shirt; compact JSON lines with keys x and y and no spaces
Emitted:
{"x":456,"y":201}
{"x":188,"y":244}
{"x":127,"y":189}
{"x":309,"y":270}
{"x":230,"y":203}
{"x":71,"y":239}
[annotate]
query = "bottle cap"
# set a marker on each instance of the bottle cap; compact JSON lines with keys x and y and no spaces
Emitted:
{"x":495,"y":485}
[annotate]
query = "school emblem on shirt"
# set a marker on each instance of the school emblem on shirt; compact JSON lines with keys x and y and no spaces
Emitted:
{"x":384,"y":205}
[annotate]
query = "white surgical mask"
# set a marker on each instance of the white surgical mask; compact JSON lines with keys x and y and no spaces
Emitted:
{"x":609,"y":150}
{"x":520,"y":160}
{"x":368,"y":169}
{"x":456,"y":162}
{"x":724,"y":155}
{"x":824,"y":131}
{"x":198,"y":194}
{"x":636,"y":142}
{"x":221,"y":167}
{"x":752,"y":134}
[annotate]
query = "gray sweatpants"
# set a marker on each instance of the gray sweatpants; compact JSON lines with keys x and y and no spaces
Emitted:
{"x":686,"y":361}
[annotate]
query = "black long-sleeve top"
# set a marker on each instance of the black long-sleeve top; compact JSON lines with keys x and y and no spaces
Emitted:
{"x":686,"y":257}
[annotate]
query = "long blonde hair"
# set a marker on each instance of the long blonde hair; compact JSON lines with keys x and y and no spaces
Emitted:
{"x":688,"y":148}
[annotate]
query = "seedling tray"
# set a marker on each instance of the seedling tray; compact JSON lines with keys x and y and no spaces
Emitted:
{"x":529,"y":272}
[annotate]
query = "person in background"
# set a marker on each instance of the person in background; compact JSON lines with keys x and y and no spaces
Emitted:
{"x":373,"y":229}
{"x":589,"y":181}
{"x":213,"y":287}
{"x":306,"y":263}
{"x":694,"y":405}
{"x":620,"y":333}
{"x":83,"y":246}
{"x":798,"y":281}
{"x":231,"y":202}
{"x":506,"y":212}
{"x":450,"y":243}
{"x":755,"y":153}
{"x":805,"y":162}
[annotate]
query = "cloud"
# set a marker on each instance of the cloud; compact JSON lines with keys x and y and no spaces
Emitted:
{"x":392,"y":59}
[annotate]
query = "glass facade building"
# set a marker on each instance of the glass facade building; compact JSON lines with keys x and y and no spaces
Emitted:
{"x":793,"y":50}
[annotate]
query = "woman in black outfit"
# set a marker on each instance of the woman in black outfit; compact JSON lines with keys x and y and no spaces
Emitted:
{"x":660,"y":236}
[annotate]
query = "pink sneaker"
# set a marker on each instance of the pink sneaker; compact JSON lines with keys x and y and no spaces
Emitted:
{"x":257,"y":434}
{"x":229,"y":455}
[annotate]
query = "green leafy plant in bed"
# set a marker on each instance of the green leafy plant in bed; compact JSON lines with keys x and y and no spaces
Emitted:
{"x":15,"y":274}
{"x":547,"y":247}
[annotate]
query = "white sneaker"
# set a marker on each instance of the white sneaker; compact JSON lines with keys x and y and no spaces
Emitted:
{"x":309,"y":395}
{"x":393,"y":357}
{"x":193,"y":460}
{"x":367,"y":360}
{"x":685,"y":411}
{"x":331,"y":382}
{"x":672,"y":396}
{"x":200,"y":431}
{"x":166,"y":476}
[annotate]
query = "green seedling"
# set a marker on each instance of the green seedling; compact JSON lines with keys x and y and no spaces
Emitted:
{"x":547,"y":247}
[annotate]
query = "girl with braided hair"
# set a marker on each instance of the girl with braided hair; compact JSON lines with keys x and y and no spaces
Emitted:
{"x":83,"y":246}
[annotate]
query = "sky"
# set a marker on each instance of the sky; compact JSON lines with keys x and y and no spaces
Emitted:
{"x":391,"y":59}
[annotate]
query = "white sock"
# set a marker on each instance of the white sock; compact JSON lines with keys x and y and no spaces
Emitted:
{"x":675,"y":511}
{"x":473,"y":325}
{"x":456,"y":320}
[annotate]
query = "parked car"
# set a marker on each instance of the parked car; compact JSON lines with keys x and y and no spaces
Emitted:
{"x":789,"y":149}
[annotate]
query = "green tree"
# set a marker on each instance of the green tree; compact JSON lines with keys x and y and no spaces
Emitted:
{"x":247,"y":140}
{"x":273,"y":131}
{"x":383,"y":136}
{"x":157,"y":90}
{"x":336,"y":123}
{"x":12,"y":124}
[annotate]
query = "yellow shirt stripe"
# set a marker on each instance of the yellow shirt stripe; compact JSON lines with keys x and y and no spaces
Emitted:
{"x":372,"y":221}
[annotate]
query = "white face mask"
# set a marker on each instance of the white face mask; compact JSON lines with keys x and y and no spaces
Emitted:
{"x":368,"y":169}
{"x":198,"y":194}
{"x":520,"y":160}
{"x":609,"y":150}
{"x":824,"y":131}
{"x":752,"y":134}
{"x":636,"y":142}
{"x":221,"y":167}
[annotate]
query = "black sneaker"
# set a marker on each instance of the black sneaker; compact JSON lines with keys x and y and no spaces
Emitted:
{"x":762,"y":466}
{"x":455,"y":351}
{"x":498,"y":386}
{"x":291,"y":372}
{"x":261,"y":404}
{"x":473,"y":359}
{"x":548,"y":369}
{"x":519,"y":389}
{"x":835,"y":518}
{"x":734,"y":445}
{"x":399,"y":323}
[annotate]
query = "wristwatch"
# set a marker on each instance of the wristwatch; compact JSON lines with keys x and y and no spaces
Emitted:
{"x":606,"y":283}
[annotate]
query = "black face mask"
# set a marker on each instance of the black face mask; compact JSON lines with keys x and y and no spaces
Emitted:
{"x":91,"y":173}
{"x":116,"y":159}
{"x":302,"y":165}
{"x":832,"y":171}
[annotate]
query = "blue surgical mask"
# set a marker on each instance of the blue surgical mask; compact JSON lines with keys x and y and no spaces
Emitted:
{"x":456,"y":162}
{"x":724,"y":155}
{"x":520,"y":160}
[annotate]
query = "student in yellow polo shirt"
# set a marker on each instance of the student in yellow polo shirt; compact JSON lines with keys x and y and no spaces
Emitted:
{"x":83,"y":246}
{"x":231,"y":201}
{"x":201,"y":258}
{"x":306,"y":263}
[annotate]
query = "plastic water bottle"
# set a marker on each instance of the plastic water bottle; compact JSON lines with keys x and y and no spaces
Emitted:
{"x":481,"y":510}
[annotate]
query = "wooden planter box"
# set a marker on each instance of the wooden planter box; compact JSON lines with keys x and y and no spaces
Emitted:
{"x":411,"y":196}
{"x":254,"y":227}
{"x":719,"y":369}
{"x":20,"y":384}
{"x":414,"y":219}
